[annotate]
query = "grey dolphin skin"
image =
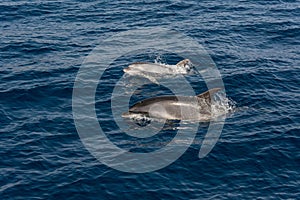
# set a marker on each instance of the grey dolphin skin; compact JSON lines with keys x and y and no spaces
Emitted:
{"x":139,"y":68}
{"x":175,"y":107}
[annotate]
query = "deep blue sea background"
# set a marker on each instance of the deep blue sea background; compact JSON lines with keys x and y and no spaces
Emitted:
{"x":255,"y":45}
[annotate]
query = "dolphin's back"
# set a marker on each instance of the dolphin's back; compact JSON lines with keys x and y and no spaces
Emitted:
{"x":150,"y":68}
{"x":145,"y":105}
{"x":177,"y":107}
{"x":169,"y":107}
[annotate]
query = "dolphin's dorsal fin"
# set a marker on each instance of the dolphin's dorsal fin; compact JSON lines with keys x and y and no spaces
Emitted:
{"x":183,"y":62}
{"x":207,"y":94}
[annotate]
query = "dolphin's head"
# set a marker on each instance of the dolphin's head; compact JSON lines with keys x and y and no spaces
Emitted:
{"x":126,"y":114}
{"x":134,"y":68}
{"x":126,"y":70}
{"x":131,"y":70}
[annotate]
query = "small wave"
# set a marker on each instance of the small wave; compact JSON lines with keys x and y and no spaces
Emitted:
{"x":222,"y":105}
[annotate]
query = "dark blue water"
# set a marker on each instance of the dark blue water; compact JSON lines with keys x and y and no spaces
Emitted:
{"x":255,"y":45}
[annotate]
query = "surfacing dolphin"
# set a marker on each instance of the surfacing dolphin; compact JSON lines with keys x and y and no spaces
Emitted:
{"x":142,"y":68}
{"x":175,"y":107}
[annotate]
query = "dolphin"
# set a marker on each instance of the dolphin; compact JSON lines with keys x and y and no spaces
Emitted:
{"x":142,"y":68}
{"x":175,"y":107}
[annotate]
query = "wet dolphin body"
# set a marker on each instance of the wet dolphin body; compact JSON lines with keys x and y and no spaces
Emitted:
{"x":175,"y":107}
{"x":140,"y":68}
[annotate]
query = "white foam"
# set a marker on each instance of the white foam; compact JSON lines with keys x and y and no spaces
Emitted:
{"x":222,"y":105}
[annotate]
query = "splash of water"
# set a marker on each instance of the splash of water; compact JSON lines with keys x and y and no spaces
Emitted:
{"x":222,"y":105}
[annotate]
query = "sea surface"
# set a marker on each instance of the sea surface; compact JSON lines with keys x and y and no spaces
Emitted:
{"x":254,"y":44}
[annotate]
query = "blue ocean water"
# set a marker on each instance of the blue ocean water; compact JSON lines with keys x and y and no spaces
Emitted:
{"x":255,"y":45}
